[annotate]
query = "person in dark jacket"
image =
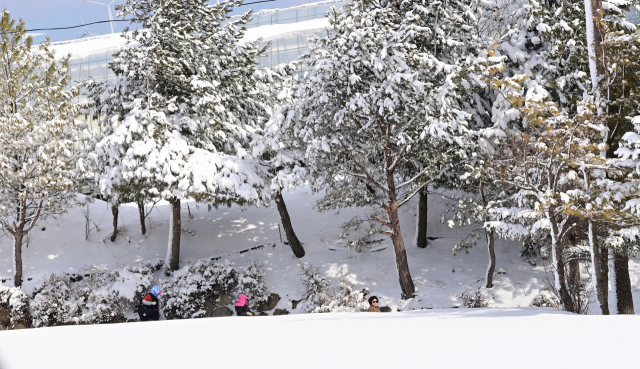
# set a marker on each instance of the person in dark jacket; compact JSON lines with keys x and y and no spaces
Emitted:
{"x":242,"y":306}
{"x":150,"y":309}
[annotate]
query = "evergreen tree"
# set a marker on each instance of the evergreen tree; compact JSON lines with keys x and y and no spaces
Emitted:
{"x":189,"y":87}
{"x":41,"y":148}
{"x":379,"y":96}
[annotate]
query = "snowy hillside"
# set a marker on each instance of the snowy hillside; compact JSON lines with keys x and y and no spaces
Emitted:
{"x":471,"y":338}
{"x":59,"y":246}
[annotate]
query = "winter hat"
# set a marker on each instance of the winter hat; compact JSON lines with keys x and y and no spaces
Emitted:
{"x":242,"y":300}
{"x":156,"y":291}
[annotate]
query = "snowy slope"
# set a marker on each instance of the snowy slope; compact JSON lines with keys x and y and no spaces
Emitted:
{"x":469,"y":338}
{"x":59,"y":245}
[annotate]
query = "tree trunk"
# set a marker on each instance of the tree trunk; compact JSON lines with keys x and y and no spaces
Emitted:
{"x":143,"y":228}
{"x":593,"y":13}
{"x":294,"y":243}
{"x":574,"y":276}
{"x":623,"y":284}
{"x":114,"y":212}
{"x":561,"y":280}
{"x":404,"y":275}
{"x":600,"y":270}
{"x":492,"y":259}
{"x":423,"y":208}
{"x":173,"y":253}
{"x":17,"y":256}
{"x":490,"y":244}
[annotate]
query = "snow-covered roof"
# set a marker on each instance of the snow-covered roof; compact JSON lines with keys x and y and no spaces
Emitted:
{"x":93,"y":45}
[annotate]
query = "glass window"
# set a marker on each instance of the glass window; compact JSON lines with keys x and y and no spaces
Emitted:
{"x":98,"y":69}
{"x":633,"y":15}
{"x":84,"y":72}
{"x":285,"y":16}
{"x":263,"y":19}
{"x":320,"y":11}
{"x":289,"y":43}
{"x":302,"y":13}
{"x":74,"y":71}
{"x":287,"y":56}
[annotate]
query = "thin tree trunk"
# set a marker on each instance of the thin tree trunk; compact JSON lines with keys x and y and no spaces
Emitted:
{"x":17,"y":255}
{"x":557,"y":249}
{"x":490,"y":244}
{"x":600,"y":280}
{"x":423,"y":211}
{"x":593,"y":13}
{"x":294,"y":243}
{"x":114,"y":212}
{"x":623,"y":284}
{"x":574,"y":276}
{"x":404,"y":275}
{"x":143,"y":228}
{"x":173,"y":253}
{"x":492,"y":259}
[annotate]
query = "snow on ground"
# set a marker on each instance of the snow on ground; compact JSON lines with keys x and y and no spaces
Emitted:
{"x":466,"y":338}
{"x":59,"y":245}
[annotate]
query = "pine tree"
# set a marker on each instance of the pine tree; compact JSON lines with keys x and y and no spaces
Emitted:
{"x":42,"y":150}
{"x":190,"y":96}
{"x":378,"y":97}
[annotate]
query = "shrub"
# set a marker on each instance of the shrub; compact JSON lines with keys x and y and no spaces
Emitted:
{"x":475,"y":300}
{"x":321,"y":298}
{"x":546,"y":299}
{"x":93,"y":295}
{"x":192,"y":286}
{"x":15,"y":305}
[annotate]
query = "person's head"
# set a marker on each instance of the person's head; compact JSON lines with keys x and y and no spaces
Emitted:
{"x":373,"y":301}
{"x":156,"y":290}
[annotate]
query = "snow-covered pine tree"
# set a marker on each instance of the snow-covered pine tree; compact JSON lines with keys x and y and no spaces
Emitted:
{"x":285,"y":160}
{"x":549,"y":48}
{"x":42,"y":153}
{"x":189,"y":95}
{"x":378,"y":95}
{"x":619,"y":95}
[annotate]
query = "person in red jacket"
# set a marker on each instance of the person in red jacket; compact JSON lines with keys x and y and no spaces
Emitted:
{"x":150,"y":308}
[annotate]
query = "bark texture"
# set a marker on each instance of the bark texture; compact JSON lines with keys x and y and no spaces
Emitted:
{"x":114,"y":211}
{"x":17,"y":247}
{"x":141,"y":213}
{"x":406,"y":282}
{"x":601,"y":271}
{"x":490,"y":244}
{"x":423,"y":211}
{"x":565,"y":297}
{"x":492,"y":259}
{"x":623,"y":284}
{"x":294,"y":243}
{"x":176,"y":227}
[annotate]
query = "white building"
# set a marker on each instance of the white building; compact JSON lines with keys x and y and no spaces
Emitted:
{"x":286,"y":29}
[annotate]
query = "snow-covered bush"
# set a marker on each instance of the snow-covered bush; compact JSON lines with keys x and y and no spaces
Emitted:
{"x":251,"y":283}
{"x":546,"y":299}
{"x":474,"y":300}
{"x":321,"y":298}
{"x":93,"y":295}
{"x":14,"y":306}
{"x":345,"y":299}
{"x":193,"y":285}
{"x":55,"y":302}
{"x":316,"y":287}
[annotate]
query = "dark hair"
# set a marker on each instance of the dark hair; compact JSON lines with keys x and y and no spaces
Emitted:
{"x":371,"y":299}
